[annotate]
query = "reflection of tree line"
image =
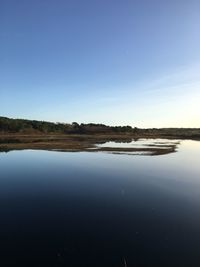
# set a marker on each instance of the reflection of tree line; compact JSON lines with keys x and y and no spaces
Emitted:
{"x":116,"y":140}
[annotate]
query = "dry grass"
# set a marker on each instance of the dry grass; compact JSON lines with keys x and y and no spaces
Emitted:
{"x":78,"y":143}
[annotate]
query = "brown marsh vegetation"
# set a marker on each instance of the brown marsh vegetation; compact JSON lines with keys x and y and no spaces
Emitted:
{"x":17,"y":134}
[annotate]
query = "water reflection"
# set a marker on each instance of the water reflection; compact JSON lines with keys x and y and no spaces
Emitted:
{"x":98,"y":209}
{"x":140,"y":146}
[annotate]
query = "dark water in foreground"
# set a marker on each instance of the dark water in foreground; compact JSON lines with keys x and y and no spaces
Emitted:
{"x":98,"y":209}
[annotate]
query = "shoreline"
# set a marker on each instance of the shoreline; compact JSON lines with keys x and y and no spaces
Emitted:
{"x":86,"y":143}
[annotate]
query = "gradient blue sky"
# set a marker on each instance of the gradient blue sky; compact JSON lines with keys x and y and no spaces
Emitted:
{"x":116,"y":62}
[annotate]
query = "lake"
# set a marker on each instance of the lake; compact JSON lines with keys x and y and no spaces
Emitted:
{"x":98,"y":209}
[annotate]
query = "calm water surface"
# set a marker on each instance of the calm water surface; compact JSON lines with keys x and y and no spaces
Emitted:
{"x":100,"y":210}
{"x":141,"y":143}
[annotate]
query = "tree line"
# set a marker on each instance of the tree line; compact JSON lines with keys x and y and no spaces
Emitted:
{"x":8,"y":125}
{"x":22,"y":126}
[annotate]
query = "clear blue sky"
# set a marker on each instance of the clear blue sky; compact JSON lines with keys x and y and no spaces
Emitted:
{"x":116,"y":62}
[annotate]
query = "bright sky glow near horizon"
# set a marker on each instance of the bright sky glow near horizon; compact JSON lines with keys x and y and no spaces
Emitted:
{"x":117,"y":62}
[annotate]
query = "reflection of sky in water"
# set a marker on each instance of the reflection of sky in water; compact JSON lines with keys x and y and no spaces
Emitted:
{"x":141,"y":143}
{"x":99,"y":208}
{"x":183,"y":165}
